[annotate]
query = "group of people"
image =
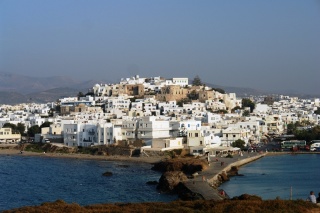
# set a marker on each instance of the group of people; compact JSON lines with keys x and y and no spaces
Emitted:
{"x":312,"y":198}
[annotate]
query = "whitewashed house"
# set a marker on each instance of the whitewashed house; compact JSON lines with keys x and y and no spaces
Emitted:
{"x":153,"y":127}
{"x":231,"y":134}
{"x":198,"y":140}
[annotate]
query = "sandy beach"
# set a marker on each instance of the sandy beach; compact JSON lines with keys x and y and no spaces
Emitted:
{"x":12,"y":151}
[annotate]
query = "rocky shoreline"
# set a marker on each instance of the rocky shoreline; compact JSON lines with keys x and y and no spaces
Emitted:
{"x":178,"y":172}
{"x":199,"y":179}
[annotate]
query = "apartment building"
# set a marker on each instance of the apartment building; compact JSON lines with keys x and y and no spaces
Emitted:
{"x":6,"y":136}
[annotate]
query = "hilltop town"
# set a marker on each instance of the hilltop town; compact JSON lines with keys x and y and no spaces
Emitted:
{"x":156,"y":114}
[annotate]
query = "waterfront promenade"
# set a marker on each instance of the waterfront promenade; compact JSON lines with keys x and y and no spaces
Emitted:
{"x":204,"y":182}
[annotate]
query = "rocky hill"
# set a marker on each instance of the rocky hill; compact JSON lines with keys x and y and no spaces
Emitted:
{"x":51,"y":95}
{"x":15,"y":89}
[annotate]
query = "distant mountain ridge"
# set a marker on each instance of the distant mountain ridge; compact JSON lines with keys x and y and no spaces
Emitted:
{"x":240,"y":91}
{"x":26,"y":84}
{"x":15,"y":88}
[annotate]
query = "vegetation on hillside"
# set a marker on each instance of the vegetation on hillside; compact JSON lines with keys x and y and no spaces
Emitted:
{"x":248,"y":103}
{"x":19,"y":128}
{"x":244,"y":203}
{"x":307,"y":133}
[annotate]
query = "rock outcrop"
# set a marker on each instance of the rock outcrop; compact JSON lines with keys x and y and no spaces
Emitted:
{"x":107,"y":174}
{"x":170,"y":180}
{"x":188,"y":166}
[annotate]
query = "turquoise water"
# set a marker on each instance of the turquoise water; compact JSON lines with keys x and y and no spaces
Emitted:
{"x":33,"y":180}
{"x":275,"y":176}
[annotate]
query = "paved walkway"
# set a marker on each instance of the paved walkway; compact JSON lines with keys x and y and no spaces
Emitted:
{"x":204,"y":181}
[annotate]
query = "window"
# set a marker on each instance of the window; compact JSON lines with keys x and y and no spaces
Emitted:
{"x":234,"y":136}
{"x":196,"y":135}
{"x":200,"y":142}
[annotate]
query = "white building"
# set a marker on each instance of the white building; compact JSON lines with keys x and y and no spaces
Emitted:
{"x":180,"y":81}
{"x":6,"y":136}
{"x":231,"y":134}
{"x":153,"y":127}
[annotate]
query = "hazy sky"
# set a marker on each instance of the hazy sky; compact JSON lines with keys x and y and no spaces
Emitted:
{"x":265,"y":45}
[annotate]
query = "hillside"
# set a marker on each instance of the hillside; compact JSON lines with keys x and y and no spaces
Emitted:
{"x":27,"y":84}
{"x":51,"y":95}
{"x":240,"y":91}
{"x":15,"y":89}
{"x":244,"y":203}
{"x":10,"y":97}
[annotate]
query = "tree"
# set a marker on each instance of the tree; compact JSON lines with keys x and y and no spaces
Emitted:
{"x":196,"y":81}
{"x":88,"y":94}
{"x":10,"y":125}
{"x":14,"y":128}
{"x":58,"y":108}
{"x":246,"y":113}
{"x":238,"y":143}
{"x":307,"y":134}
{"x":46,"y":124}
{"x":221,"y":111}
{"x":33,"y":130}
{"x":248,"y":103}
{"x":21,"y":128}
{"x":193,"y":95}
{"x":235,"y":108}
{"x":219,"y":90}
{"x":80,"y":94}
{"x":291,"y":128}
{"x":183,"y":101}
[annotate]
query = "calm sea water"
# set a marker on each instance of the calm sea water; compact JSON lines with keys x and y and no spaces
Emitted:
{"x":33,"y":180}
{"x":274,"y":176}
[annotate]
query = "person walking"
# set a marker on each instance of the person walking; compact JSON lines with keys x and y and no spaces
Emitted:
{"x":312,"y":198}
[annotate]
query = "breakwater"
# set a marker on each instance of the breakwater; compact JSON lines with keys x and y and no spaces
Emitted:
{"x":216,"y":180}
{"x":205,"y":183}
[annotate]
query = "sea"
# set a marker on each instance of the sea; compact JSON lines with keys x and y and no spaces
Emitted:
{"x":288,"y":176}
{"x":32,"y":180}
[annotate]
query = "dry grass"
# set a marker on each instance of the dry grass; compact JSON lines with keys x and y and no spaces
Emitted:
{"x":200,"y":206}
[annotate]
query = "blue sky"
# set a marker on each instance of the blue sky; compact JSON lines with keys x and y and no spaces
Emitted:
{"x":268,"y":45}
